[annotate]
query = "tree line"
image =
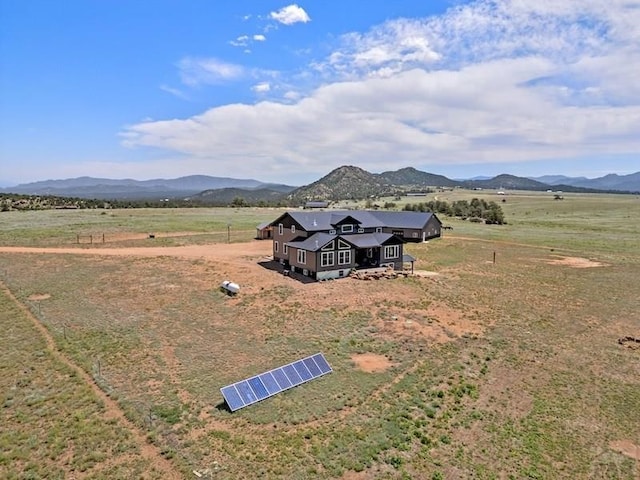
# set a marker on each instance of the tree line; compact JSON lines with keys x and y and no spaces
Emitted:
{"x":476,"y":210}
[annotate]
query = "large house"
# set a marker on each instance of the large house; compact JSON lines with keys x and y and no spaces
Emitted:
{"x":329,"y":244}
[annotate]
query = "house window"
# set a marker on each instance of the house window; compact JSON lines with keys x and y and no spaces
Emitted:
{"x":392,"y":251}
{"x":326,"y":259}
{"x":378,"y":229}
{"x":332,"y":232}
{"x":347,"y":228}
{"x":330,"y":246}
{"x":293,"y":229}
{"x":343,"y":245}
{"x":361,"y":230}
{"x":344,"y":257}
{"x":302,"y":257}
{"x":414,"y":234}
{"x":285,"y":248}
{"x":280,"y":229}
{"x":275,"y":246}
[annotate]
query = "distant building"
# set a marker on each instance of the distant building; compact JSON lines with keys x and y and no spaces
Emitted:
{"x":264,"y":231}
{"x":324,"y":245}
{"x":316,"y":204}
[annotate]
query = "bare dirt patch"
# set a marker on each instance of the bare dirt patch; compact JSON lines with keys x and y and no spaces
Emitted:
{"x":627,"y":448}
{"x":240,"y":263}
{"x":575,"y":262}
{"x":39,"y":296}
{"x":371,"y":362}
{"x":425,"y":273}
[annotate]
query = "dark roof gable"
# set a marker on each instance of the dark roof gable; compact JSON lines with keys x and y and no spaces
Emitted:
{"x":323,"y":221}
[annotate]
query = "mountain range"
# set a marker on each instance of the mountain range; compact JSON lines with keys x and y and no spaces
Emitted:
{"x":345,"y":182}
{"x":630,"y":183}
{"x":129,"y":189}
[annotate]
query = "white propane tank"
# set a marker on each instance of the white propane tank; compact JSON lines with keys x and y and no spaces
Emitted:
{"x":230,"y":287}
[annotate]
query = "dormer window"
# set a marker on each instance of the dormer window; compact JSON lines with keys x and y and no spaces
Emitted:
{"x":347,"y":228}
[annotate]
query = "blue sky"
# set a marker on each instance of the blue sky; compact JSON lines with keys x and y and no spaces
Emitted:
{"x":286,"y":92}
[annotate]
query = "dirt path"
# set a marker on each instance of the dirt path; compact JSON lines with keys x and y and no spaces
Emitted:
{"x":221,"y":251}
{"x":112,"y":409}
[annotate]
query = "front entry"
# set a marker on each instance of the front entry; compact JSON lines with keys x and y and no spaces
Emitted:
{"x":368,"y":257}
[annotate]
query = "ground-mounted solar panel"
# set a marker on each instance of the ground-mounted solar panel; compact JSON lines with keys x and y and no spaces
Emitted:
{"x":252,"y":390}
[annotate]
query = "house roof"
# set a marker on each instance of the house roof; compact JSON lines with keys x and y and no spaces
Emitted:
{"x":263,"y":225}
{"x":316,"y":204}
{"x":370,"y":240}
{"x":359,"y":240}
{"x":404,"y":219}
{"x":317,"y":221}
{"x":314,"y":243}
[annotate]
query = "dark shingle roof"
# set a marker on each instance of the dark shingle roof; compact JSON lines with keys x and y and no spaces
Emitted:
{"x":360,"y":240}
{"x":368,"y":240}
{"x":314,"y":243}
{"x":403,"y":219}
{"x":318,"y":221}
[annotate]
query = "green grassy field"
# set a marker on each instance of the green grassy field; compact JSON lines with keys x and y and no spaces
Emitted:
{"x":62,"y":227}
{"x":529,"y":381}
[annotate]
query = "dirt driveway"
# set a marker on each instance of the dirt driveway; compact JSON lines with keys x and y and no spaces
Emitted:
{"x":243,"y":263}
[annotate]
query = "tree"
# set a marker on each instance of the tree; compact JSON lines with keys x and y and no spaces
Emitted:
{"x":238,"y":202}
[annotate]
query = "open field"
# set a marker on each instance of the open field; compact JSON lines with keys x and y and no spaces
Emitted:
{"x":474,"y":369}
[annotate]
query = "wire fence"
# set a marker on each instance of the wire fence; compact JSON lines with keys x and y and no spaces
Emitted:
{"x":220,"y":236}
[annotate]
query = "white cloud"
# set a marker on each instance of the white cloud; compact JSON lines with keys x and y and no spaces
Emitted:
{"x":491,"y":81}
{"x":174,"y":91}
{"x":290,"y":14}
{"x":203,"y":71}
{"x":261,"y":87}
{"x":241,"y":41}
{"x":245,"y":41}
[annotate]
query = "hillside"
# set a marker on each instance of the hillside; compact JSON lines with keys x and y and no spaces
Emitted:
{"x":345,"y":182}
{"x":409,"y":176}
{"x":90,"y":187}
{"x":237,"y":196}
{"x":613,"y":182}
{"x":505,"y":181}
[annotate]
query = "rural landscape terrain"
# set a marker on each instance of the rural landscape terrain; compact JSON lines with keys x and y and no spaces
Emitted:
{"x":512,"y":352}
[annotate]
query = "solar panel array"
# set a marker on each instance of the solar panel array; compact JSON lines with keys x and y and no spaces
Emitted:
{"x":267,"y":384}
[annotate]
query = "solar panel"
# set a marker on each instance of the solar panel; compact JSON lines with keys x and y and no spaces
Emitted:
{"x":267,"y":384}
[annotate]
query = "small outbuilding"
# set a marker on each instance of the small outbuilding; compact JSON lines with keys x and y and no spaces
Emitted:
{"x":264,"y":231}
